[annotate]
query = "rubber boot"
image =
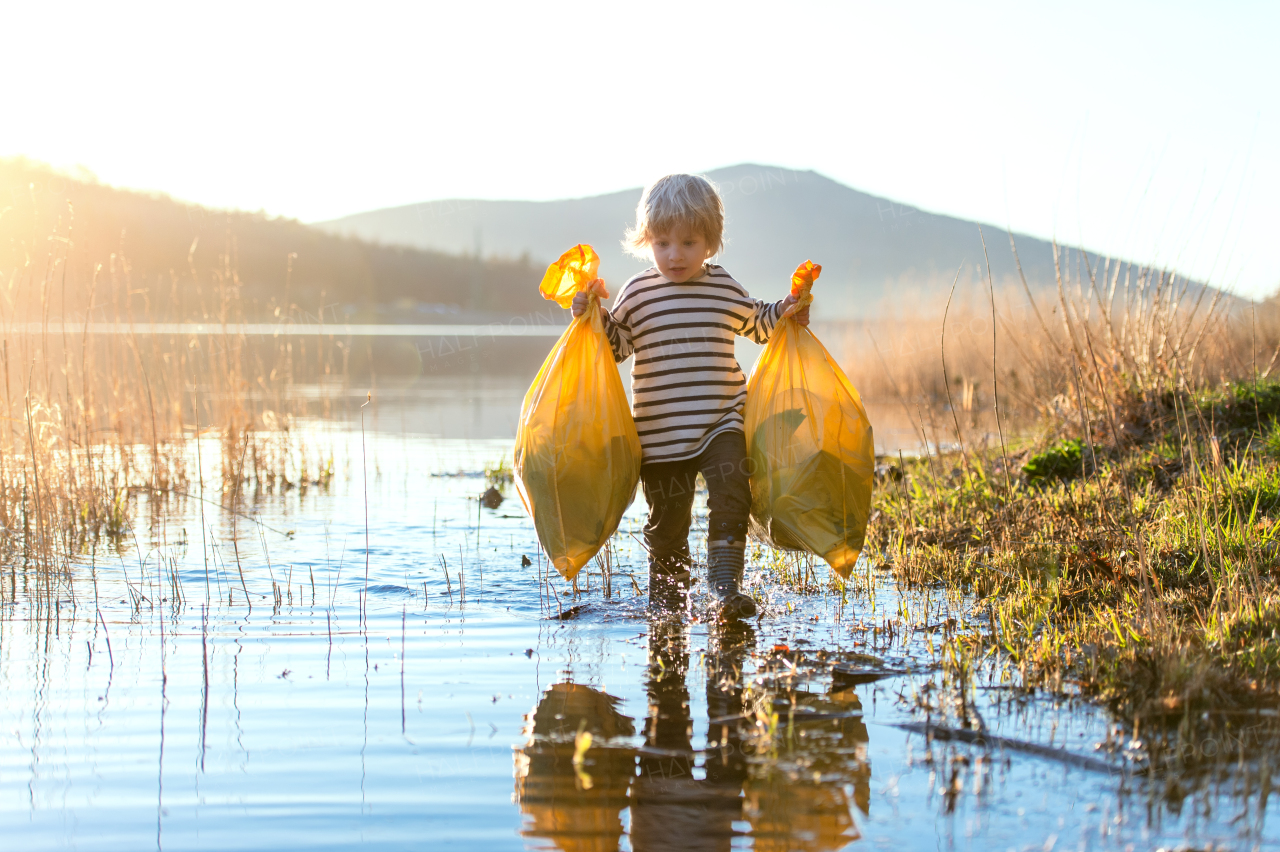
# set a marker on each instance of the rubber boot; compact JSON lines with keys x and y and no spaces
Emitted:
{"x":668,"y":583}
{"x":725,"y":563}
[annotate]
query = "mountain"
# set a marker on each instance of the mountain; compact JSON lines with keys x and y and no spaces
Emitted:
{"x":872,"y":249}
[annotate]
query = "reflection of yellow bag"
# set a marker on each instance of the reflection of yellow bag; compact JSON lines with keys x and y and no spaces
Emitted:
{"x":577,"y":452}
{"x":810,"y":444}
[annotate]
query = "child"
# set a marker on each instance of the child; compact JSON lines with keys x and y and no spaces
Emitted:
{"x":679,"y":319}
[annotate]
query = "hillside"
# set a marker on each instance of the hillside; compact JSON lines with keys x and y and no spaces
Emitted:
{"x":871,"y":248}
{"x":183,"y":261}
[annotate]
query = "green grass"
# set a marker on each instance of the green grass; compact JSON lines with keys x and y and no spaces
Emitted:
{"x":1150,"y":582}
{"x":1061,"y":461}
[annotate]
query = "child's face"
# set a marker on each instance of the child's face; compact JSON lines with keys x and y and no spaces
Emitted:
{"x":679,"y":254}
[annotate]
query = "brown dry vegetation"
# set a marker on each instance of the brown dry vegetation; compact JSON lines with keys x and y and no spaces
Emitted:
{"x":1146,"y":328}
{"x":96,"y":425}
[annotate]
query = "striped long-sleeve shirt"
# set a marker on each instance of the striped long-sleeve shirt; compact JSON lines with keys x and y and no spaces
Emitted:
{"x":687,"y":385}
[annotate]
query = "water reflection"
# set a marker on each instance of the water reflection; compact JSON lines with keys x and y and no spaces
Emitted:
{"x":782,"y":765}
{"x":671,"y":808}
{"x":576,"y":807}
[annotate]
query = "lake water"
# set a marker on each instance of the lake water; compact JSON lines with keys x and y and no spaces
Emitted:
{"x":263,"y":680}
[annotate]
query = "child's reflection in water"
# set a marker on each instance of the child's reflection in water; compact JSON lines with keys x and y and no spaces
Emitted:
{"x":790,"y":797}
{"x":669,"y":808}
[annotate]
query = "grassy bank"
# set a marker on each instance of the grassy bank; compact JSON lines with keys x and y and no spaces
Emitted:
{"x":1141,"y":568}
{"x":1108,"y":486}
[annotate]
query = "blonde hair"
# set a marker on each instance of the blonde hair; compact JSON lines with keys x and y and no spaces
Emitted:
{"x":673,"y":201}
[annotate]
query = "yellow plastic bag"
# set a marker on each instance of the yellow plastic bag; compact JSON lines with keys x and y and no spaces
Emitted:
{"x":577,"y":452}
{"x":810,"y":444}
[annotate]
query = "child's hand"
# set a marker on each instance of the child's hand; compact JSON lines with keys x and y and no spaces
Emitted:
{"x":583,"y":298}
{"x":801,"y":316}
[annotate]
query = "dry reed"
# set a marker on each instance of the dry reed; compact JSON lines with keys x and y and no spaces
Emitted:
{"x":96,"y":424}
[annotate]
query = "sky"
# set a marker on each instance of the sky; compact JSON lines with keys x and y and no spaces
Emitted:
{"x":1148,"y":131}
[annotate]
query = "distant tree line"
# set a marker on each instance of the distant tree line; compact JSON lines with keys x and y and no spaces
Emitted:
{"x":66,"y":239}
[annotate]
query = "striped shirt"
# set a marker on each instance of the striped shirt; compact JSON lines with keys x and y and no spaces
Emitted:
{"x":687,"y":385}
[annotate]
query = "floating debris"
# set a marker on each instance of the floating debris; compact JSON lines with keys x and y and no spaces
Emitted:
{"x":570,"y":613}
{"x":861,"y":671}
{"x":983,"y":738}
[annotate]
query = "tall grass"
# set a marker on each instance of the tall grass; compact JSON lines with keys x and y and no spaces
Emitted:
{"x":98,"y":425}
{"x":1109,"y":340}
